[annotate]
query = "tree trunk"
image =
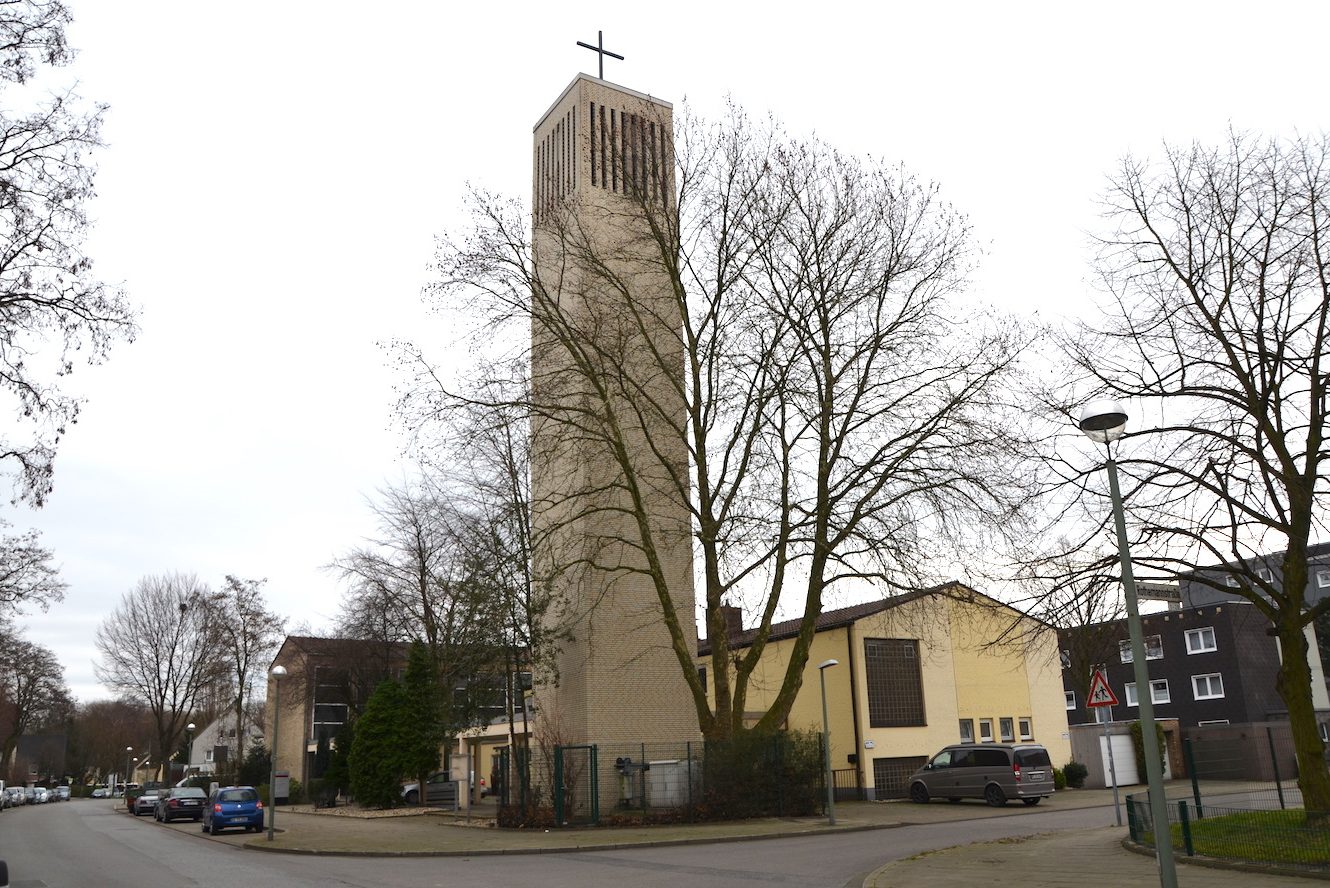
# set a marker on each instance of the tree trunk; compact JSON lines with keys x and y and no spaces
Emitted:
{"x":1294,"y":685}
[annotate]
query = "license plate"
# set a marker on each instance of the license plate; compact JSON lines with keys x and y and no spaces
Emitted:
{"x":239,"y":819}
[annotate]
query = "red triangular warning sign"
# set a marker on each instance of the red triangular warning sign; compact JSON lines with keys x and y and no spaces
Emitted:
{"x":1100,"y":693}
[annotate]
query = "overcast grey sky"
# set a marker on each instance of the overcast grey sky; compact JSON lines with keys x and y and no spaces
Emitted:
{"x":277,"y":170}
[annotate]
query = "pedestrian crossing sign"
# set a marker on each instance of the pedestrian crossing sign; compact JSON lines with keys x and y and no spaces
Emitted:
{"x":1100,"y":693}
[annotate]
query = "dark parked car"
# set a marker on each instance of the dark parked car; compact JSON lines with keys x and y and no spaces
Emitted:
{"x":233,"y":806}
{"x":145,"y":802}
{"x":993,"y":772}
{"x":183,"y":801}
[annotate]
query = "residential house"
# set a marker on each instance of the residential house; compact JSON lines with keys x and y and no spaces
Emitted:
{"x":1213,"y":664}
{"x":216,"y":749}
{"x":916,"y":672}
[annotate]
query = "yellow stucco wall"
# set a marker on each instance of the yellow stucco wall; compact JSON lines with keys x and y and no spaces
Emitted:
{"x":963,"y":674}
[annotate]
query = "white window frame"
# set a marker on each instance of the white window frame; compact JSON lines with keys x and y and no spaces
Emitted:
{"x":1130,"y":695}
{"x":1199,"y":634}
{"x":1209,"y":685}
{"x":1071,"y":700}
{"x":1266,"y":574}
{"x":1103,"y":714}
{"x":1159,"y":693}
{"x":1007,"y":729}
{"x":1212,"y":721}
{"x":1232,"y":580}
{"x":1323,"y":579}
{"x":1025,"y":725}
{"x":985,"y":730}
{"x":1124,"y":648}
{"x":963,"y":723}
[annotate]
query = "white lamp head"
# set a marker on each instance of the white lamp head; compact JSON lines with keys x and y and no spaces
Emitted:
{"x":278,"y":672}
{"x":826,"y":663}
{"x":1104,"y":420}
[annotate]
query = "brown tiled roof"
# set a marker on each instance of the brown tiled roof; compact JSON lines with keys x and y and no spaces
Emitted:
{"x":835,"y":619}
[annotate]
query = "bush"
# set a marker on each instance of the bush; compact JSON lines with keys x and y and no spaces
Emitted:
{"x":1138,"y":744}
{"x":1059,"y":779}
{"x":1075,"y":774}
{"x":763,"y":775}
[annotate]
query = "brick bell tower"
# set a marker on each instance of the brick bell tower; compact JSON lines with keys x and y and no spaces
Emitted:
{"x":602,"y":188}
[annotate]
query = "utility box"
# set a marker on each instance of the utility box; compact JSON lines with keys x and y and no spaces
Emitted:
{"x":667,"y":783}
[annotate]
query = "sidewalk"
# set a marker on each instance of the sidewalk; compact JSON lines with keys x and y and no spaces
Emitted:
{"x":1061,"y":860}
{"x":1056,"y":859}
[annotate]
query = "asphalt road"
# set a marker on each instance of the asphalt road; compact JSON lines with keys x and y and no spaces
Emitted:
{"x":86,"y":843}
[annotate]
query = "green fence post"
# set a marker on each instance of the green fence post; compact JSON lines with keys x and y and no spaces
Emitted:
{"x":1274,"y":763}
{"x":1191,"y":769}
{"x":595,"y":788}
{"x":642,"y":779}
{"x":688,"y":749}
{"x":558,"y":786}
{"x":1186,"y":828}
{"x":1131,"y":821}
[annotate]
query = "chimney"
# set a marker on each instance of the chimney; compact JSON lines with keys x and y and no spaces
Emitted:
{"x":734,"y":620}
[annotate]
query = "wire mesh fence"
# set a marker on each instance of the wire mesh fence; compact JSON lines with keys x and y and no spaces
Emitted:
{"x":777,"y":776}
{"x":1283,"y":836}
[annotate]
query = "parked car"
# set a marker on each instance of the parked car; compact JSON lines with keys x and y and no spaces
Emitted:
{"x":994,"y":772}
{"x":62,"y":792}
{"x":440,"y":789}
{"x":41,"y":795}
{"x":101,"y":792}
{"x":233,"y":806}
{"x":145,"y":802}
{"x":182,"y":801}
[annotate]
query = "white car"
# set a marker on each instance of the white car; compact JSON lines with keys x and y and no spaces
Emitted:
{"x":41,"y":795}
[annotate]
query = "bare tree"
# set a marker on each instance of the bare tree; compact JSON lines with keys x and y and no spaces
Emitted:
{"x":1218,"y":327}
{"x":32,"y":687}
{"x":27,"y":576}
{"x":481,"y":445}
{"x":48,"y":292}
{"x":103,"y":728}
{"x":418,"y":581}
{"x":810,"y":394}
{"x":160,"y":647}
{"x":247,"y":634}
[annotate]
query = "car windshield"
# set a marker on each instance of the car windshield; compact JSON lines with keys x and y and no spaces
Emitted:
{"x":237,"y":795}
{"x":189,"y":792}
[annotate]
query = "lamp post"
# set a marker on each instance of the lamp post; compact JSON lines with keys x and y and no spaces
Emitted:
{"x":278,"y":673}
{"x":826,"y":740}
{"x":189,"y":747}
{"x":128,"y":751}
{"x":1104,"y":422}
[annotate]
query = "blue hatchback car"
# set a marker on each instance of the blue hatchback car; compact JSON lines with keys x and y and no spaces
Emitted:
{"x":233,"y":806}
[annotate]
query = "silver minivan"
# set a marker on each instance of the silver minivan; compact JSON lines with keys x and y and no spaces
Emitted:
{"x":994,"y":772}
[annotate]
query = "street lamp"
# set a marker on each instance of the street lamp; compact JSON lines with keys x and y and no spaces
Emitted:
{"x":278,"y":673}
{"x":128,"y":750}
{"x":189,"y":747}
{"x":826,"y":740}
{"x":1104,"y":422}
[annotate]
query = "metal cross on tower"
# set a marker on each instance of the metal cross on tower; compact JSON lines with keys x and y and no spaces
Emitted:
{"x":600,"y":48}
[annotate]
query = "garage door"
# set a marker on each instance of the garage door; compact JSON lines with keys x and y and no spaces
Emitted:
{"x":1124,"y":759}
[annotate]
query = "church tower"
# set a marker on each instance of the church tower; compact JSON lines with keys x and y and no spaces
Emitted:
{"x":607,"y":372}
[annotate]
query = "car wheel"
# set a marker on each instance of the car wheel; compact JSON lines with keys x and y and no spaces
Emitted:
{"x":212,"y":828}
{"x":1032,"y":802}
{"x":412,"y":797}
{"x":994,"y":795}
{"x":919,"y":794}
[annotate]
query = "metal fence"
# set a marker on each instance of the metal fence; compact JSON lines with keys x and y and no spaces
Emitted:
{"x":590,"y":784}
{"x":1247,"y":832}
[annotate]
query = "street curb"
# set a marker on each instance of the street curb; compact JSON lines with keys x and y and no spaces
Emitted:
{"x":1221,"y":863}
{"x":568,"y":849}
